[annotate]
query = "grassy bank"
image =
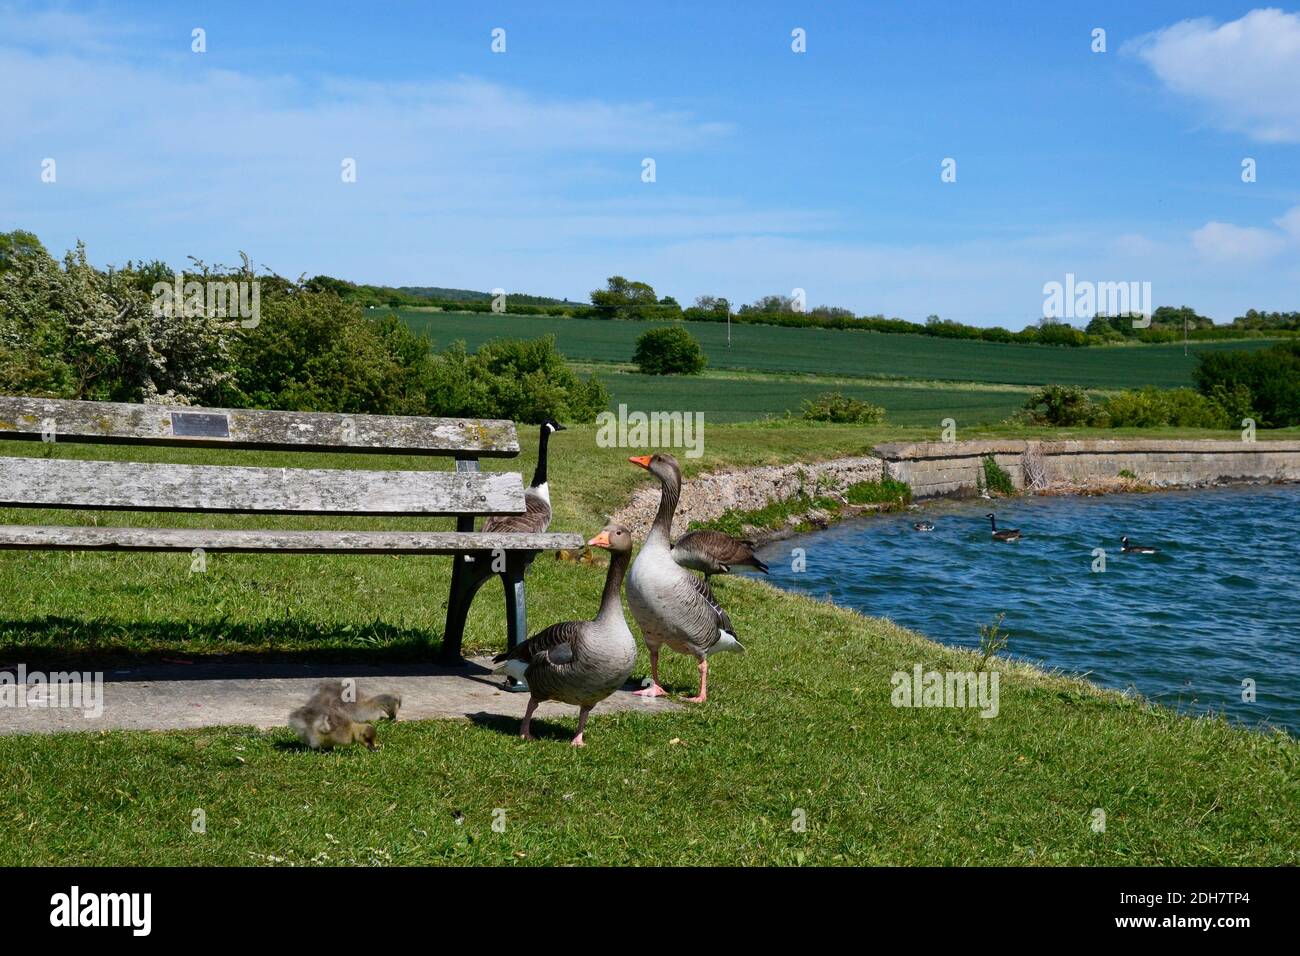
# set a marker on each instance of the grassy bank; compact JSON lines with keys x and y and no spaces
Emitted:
{"x":802,"y":722}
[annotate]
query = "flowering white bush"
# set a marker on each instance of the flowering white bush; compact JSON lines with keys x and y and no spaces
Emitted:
{"x":73,"y":331}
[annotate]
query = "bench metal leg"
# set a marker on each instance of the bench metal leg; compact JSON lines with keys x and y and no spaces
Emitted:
{"x":516,"y":611}
{"x":467,"y":576}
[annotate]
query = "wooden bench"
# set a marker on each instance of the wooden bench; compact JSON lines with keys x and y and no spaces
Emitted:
{"x":465,"y":493}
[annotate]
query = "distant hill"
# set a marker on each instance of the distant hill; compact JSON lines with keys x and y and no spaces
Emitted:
{"x":469,"y":295}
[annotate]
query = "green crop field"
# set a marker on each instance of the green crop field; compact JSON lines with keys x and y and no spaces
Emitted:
{"x":736,"y":399}
{"x":844,"y":353}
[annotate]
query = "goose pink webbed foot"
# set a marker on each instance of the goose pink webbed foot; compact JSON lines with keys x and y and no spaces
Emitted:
{"x":654,"y":690}
{"x":582,"y":723}
{"x":703,"y":695}
{"x":525,"y":731}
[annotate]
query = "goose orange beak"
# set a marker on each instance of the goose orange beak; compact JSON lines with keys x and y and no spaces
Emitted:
{"x":600,"y":541}
{"x":642,"y":460}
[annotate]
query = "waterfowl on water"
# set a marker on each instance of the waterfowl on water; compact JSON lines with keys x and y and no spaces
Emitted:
{"x":580,"y":662}
{"x":715,"y":552}
{"x":672,"y":606}
{"x":1007,"y":534}
{"x":923,"y":526}
{"x":537,"y":496}
{"x":1136,"y":548}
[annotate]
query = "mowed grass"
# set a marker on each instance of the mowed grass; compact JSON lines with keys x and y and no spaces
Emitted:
{"x":799,"y":728}
{"x":834,"y":352}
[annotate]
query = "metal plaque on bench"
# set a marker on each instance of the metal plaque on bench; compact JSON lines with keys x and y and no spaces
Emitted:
{"x":200,"y":425}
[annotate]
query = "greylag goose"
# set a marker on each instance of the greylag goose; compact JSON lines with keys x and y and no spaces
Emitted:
{"x":715,"y":552}
{"x":580,"y":662}
{"x":1007,"y":534}
{"x":671,"y":605}
{"x":537,"y":496}
{"x":1132,"y":548}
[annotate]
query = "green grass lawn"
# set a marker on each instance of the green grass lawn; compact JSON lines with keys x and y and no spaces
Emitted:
{"x":835,"y":352}
{"x":801,"y":723}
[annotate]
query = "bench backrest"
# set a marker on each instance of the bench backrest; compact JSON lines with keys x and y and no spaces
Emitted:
{"x":140,"y":486}
{"x":43,"y":419}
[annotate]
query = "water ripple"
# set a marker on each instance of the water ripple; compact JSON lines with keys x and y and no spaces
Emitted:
{"x":1215,"y":606}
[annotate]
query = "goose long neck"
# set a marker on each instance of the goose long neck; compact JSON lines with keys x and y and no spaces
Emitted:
{"x":671,"y":491}
{"x":539,"y":476}
{"x":611,"y":602}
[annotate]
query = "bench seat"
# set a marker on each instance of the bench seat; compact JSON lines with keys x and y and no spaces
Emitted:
{"x":235,"y":541}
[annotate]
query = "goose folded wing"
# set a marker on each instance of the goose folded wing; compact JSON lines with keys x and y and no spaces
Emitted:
{"x":554,"y":645}
{"x":535,"y":519}
{"x":720,"y":617}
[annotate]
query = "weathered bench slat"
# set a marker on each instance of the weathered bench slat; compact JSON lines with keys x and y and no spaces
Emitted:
{"x":140,"y":486}
{"x":85,"y":538}
{"x":116,"y":423}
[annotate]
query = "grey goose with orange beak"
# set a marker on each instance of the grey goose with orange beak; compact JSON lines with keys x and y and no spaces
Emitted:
{"x":672,"y":606}
{"x":537,"y":496}
{"x":715,"y":552}
{"x":580,"y":662}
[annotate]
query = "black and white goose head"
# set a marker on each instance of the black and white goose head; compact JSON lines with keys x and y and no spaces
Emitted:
{"x":538,"y":485}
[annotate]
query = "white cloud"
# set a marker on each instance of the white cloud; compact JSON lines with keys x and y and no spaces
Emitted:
{"x":1224,"y":242}
{"x":474,"y":184}
{"x":1134,"y":245}
{"x":1289,"y":222}
{"x":1245,"y":73}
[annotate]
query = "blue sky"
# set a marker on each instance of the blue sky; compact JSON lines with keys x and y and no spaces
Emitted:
{"x":774,"y":170}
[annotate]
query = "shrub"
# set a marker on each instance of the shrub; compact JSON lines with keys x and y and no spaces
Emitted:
{"x":526,"y":380}
{"x":1271,"y":376}
{"x":1058,"y":333}
{"x":1061,"y":405}
{"x":312,"y":351}
{"x":834,"y":407}
{"x":71,"y":331}
{"x":668,"y":351}
{"x":996,"y":480}
{"x":1154,"y":407}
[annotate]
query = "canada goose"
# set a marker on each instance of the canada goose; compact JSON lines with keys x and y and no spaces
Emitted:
{"x":671,"y":605}
{"x":537,"y":496}
{"x":328,"y":720}
{"x":923,"y":526}
{"x":715,"y":552}
{"x":1010,"y":534}
{"x":580,"y":662}
{"x":1136,"y":548}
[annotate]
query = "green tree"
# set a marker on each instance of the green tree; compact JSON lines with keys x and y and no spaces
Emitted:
{"x":624,"y":299}
{"x":17,"y":244}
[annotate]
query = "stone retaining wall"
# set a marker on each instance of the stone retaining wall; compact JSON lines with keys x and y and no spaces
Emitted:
{"x":950,"y":468}
{"x":705,"y":497}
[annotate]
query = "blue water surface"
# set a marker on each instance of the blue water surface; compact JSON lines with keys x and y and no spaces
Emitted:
{"x":1218,"y":604}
